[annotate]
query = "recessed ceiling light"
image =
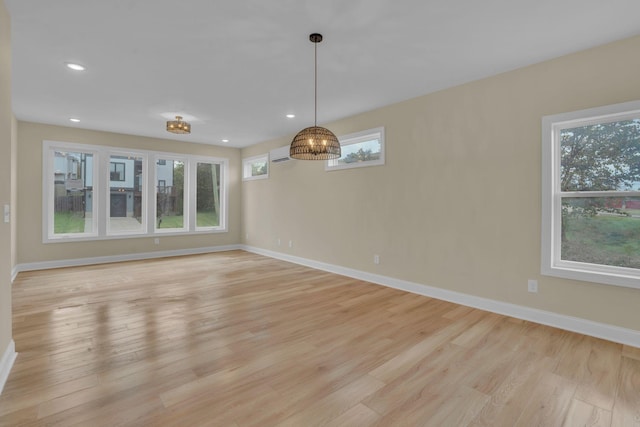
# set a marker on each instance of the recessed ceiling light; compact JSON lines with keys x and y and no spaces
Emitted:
{"x":290,"y":116}
{"x":225,"y":140}
{"x":74,"y":120}
{"x":75,"y":67}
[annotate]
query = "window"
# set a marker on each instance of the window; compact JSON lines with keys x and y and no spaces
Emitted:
{"x":68,"y":192}
{"x":360,"y":149}
{"x":126,"y":185}
{"x":117,"y":171}
{"x":256,"y":167}
{"x":207,"y":195}
{"x":591,"y":195}
{"x":95,"y":192}
{"x":170,"y":195}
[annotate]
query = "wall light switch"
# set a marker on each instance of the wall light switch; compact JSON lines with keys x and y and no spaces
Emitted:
{"x":7,"y":213}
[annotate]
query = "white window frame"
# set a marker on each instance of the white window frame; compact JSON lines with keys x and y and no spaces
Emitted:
{"x":224,"y":193}
{"x":551,"y":264}
{"x":145,"y":191}
{"x":101,"y":191}
{"x":185,"y":205}
{"x":357,"y":138}
{"x":247,"y":167}
{"x":48,"y":191}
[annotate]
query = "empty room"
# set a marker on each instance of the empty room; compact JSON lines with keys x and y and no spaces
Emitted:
{"x":329,"y":213}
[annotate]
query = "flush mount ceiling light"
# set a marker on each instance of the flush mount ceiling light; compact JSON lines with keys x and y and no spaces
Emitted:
{"x":178,"y":126}
{"x":315,"y":142}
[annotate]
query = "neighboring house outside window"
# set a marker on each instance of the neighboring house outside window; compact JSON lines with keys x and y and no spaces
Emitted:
{"x":117,"y":172}
{"x":78,"y":205}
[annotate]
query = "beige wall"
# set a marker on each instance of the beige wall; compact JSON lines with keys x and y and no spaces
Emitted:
{"x":457,"y":205}
{"x":30,"y":246}
{"x":6,"y":166}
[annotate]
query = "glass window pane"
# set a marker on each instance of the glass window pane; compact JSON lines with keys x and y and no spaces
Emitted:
{"x":125,"y":194}
{"x":604,"y":230}
{"x":364,"y":151}
{"x":601,"y":157}
{"x":72,"y":192}
{"x":360,"y":149}
{"x":170,"y":194}
{"x":207,"y":195}
{"x":259,"y":168}
{"x":256,"y":167}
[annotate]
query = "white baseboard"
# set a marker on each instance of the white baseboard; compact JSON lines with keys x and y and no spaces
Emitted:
{"x":574,"y":324}
{"x":45,"y":265}
{"x":6,"y":363}
{"x":14,"y":273}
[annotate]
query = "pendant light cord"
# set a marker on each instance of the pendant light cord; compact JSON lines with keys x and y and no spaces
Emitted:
{"x":315,"y":93}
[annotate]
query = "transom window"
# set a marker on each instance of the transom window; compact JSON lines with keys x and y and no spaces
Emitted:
{"x":591,"y":195}
{"x":256,"y":167}
{"x":96,"y":192}
{"x":360,"y":149}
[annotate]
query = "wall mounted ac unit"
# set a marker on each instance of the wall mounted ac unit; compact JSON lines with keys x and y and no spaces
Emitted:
{"x":279,"y":154}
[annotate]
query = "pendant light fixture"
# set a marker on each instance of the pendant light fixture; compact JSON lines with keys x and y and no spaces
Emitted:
{"x":315,"y":142}
{"x":178,"y":126}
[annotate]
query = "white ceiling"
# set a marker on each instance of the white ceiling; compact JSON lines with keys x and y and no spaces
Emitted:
{"x":236,"y":68}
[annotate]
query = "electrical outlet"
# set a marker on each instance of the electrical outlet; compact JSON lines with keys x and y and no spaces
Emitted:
{"x":376,"y":259}
{"x":532,"y":286}
{"x":156,"y":241}
{"x":290,"y":243}
{"x":7,"y":213}
{"x":279,"y":241}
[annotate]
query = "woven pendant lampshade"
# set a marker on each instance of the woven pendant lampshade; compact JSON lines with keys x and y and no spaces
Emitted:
{"x":315,"y":142}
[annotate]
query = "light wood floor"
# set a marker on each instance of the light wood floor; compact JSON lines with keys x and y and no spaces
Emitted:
{"x":237,"y":339}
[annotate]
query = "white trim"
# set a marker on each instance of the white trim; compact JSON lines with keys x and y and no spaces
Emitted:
{"x":48,"y":165}
{"x":117,"y":155}
{"x":357,"y":138}
{"x":14,"y":273}
{"x":6,"y":363}
{"x":222,"y":226}
{"x":574,"y":324}
{"x":102,"y":193}
{"x":550,"y":262}
{"x":45,"y":265}
{"x":247,"y":164}
{"x":153,"y":213}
